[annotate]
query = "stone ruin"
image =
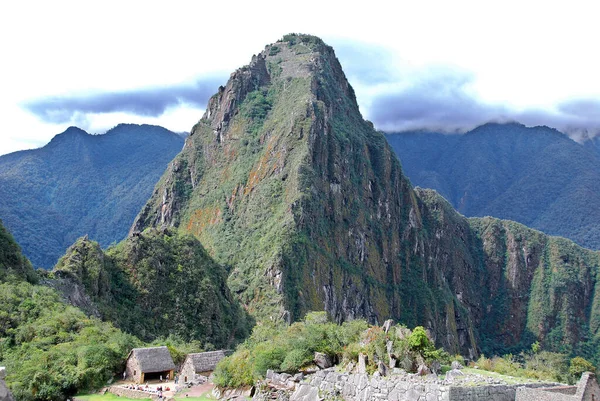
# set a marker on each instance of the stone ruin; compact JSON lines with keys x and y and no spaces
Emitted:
{"x":586,"y":390}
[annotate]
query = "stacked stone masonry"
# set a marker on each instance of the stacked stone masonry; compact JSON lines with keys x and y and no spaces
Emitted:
{"x":328,"y":384}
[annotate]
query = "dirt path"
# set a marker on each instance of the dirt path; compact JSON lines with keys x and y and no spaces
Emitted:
{"x":197,"y":391}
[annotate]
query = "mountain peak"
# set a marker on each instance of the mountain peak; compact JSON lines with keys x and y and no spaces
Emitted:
{"x":293,"y":59}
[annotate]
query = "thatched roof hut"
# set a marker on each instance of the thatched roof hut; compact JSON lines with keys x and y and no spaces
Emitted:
{"x":201,"y":363}
{"x":149,"y":363}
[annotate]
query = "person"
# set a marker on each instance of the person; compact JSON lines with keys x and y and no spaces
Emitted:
{"x":124,"y":375}
{"x":161,"y":378}
{"x":176,"y":379}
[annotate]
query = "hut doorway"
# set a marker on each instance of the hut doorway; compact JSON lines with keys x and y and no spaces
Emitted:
{"x":155,"y":376}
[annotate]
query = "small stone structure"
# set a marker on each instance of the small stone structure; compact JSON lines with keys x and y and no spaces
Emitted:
{"x":5,"y":394}
{"x":149,"y":364}
{"x":200,"y":364}
{"x":586,"y":390}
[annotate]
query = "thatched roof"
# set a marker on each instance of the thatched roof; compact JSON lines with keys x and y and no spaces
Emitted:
{"x":154,"y":359}
{"x":206,"y":361}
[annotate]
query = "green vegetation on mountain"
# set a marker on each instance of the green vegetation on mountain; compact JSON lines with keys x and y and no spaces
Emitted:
{"x":156,"y":284}
{"x":283,"y":182}
{"x":81,"y":184}
{"x":536,"y":176}
{"x":51,"y":350}
{"x":13,"y":265}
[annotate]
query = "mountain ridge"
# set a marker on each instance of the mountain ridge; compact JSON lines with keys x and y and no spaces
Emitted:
{"x":534,"y":175}
{"x":81,"y":184}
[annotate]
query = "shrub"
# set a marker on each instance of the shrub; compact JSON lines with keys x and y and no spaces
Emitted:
{"x":578,"y":366}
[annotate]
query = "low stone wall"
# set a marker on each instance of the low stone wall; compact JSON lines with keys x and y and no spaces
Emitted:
{"x":586,"y":390}
{"x":129,"y":393}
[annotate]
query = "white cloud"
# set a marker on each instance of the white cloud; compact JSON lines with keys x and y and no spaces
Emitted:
{"x":522,"y":55}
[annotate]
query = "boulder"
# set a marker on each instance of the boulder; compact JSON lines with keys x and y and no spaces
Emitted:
{"x":454,"y":373}
{"x":423,"y":370}
{"x":436,"y":367}
{"x":456,"y":365}
{"x":322,"y":360}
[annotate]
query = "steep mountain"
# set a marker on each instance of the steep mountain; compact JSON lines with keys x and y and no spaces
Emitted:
{"x":153,"y":284}
{"x":536,"y":176}
{"x":81,"y":184}
{"x":306,"y":204}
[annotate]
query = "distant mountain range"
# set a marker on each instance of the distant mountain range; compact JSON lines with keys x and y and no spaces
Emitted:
{"x":81,"y":184}
{"x":536,"y":176}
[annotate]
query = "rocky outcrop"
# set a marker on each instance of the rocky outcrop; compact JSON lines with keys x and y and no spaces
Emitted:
{"x":155,"y":283}
{"x":5,"y":394}
{"x":284,"y":182}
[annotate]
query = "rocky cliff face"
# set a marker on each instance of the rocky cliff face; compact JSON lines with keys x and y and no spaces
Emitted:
{"x":285,"y":183}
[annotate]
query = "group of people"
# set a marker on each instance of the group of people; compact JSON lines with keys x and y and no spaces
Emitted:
{"x":138,"y":387}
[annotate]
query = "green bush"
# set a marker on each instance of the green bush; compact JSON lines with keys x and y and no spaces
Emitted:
{"x":578,"y":366}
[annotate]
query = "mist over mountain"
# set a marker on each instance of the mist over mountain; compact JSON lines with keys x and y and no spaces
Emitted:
{"x":81,"y":184}
{"x":536,"y":176}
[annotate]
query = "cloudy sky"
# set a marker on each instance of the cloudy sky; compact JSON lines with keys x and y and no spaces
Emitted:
{"x":447,"y":65}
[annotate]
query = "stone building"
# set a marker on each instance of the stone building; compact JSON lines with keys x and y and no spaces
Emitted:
{"x":5,"y":394}
{"x":586,"y":390}
{"x":202,"y":363}
{"x":144,"y":364}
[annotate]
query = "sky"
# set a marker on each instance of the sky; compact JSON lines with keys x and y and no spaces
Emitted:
{"x":436,"y":65}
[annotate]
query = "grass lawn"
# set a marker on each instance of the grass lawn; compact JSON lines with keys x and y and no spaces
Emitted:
{"x":102,"y":397}
{"x":507,"y":379}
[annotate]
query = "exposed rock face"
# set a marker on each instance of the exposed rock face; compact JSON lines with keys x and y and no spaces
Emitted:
{"x":285,"y":182}
{"x":5,"y":394}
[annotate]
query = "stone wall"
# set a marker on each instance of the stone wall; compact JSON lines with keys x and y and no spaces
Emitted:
{"x":5,"y":394}
{"x":361,"y":387}
{"x":586,"y":390}
{"x":129,"y":393}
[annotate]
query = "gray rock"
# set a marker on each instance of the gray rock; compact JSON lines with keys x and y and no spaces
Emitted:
{"x":412,"y":395}
{"x":362,"y":363}
{"x":454,"y":373}
{"x":298,"y":377}
{"x":436,"y":367}
{"x":423,"y":370}
{"x":269,"y":374}
{"x":387,"y":325}
{"x":2,"y":373}
{"x":456,"y":365}
{"x":382,"y":369}
{"x":323,"y":360}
